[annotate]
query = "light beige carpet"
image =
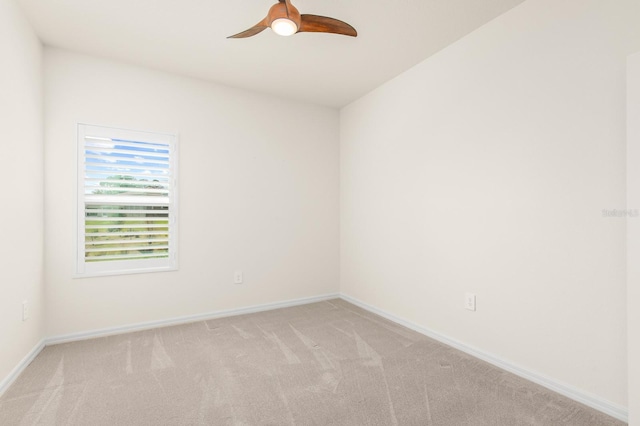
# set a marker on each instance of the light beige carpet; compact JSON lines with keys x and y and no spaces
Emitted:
{"x":327,"y":363}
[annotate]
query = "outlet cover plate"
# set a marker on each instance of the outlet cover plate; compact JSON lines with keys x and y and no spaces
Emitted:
{"x":470,"y":301}
{"x":25,"y":310}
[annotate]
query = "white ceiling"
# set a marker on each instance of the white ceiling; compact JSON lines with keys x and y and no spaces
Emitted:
{"x":188,"y":37}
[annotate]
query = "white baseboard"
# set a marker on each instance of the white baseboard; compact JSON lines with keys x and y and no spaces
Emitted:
{"x":185,"y":319}
{"x":13,"y":375}
{"x":590,"y":400}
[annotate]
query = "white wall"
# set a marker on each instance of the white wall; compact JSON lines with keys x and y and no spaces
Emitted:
{"x":633,"y":235}
{"x":21,"y":213}
{"x":258,"y":192}
{"x":485,"y":169}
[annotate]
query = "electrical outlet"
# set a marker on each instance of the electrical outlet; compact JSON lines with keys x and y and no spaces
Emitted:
{"x":237,"y":277}
{"x":25,"y":310}
{"x":470,"y":301}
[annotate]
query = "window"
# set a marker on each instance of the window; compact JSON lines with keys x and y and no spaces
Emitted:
{"x":127,"y":201}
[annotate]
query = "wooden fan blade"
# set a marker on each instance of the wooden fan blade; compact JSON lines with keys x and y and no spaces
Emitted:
{"x":322,"y":24}
{"x":256,"y":29}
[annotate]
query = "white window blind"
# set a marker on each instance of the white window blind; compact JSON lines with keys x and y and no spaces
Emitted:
{"x":127,"y":201}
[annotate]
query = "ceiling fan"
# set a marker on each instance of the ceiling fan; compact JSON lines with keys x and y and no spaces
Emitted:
{"x":284,"y":19}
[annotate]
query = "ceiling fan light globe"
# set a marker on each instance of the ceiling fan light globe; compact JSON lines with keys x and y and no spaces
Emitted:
{"x":284,"y":27}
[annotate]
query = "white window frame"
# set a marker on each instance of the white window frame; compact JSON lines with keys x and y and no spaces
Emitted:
{"x":131,"y":266}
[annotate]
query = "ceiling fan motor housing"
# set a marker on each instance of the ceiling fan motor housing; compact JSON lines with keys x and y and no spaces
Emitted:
{"x":284,"y":11}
